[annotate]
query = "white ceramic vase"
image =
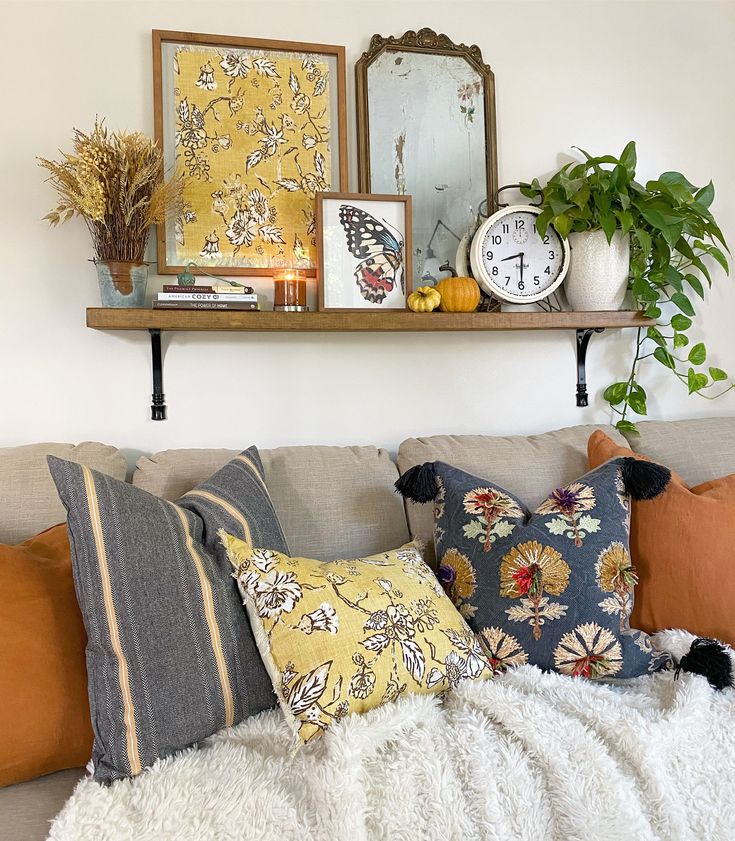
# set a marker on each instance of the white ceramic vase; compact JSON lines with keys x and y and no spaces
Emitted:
{"x":598,"y":272}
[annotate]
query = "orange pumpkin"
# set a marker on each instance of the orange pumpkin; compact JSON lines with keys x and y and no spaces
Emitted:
{"x":459,"y":294}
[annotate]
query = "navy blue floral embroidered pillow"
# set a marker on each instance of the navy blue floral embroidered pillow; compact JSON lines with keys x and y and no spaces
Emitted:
{"x":553,"y":588}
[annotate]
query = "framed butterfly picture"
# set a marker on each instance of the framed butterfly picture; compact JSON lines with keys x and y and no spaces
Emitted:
{"x":363,"y":251}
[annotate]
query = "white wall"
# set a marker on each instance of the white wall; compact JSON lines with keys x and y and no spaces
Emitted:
{"x":595,"y":74}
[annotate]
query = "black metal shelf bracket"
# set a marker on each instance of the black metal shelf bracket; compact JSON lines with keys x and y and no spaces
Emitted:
{"x":158,"y":398}
{"x":583,"y":339}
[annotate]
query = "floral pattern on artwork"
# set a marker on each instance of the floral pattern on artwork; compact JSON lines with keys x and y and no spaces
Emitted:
{"x":616,"y":575}
{"x":569,"y":503}
{"x":527,"y":572}
{"x":588,"y":651}
{"x":490,"y":506}
{"x":377,"y":628}
{"x":254,"y":145}
{"x":502,"y":649}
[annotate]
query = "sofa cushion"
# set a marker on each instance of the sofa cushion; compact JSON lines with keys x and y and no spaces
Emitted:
{"x":28,"y":499}
{"x":333,"y":502}
{"x":44,"y":714}
{"x":527,"y":466}
{"x":27,"y":809}
{"x":170,"y":658}
{"x":682,"y":548}
{"x":698,"y":450}
{"x":553,"y":588}
{"x":343,"y":637}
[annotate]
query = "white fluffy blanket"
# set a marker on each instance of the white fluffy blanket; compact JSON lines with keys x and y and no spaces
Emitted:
{"x":527,"y":756}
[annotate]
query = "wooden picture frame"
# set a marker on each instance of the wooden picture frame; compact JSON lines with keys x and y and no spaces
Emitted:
{"x":253,"y":146}
{"x":437,"y":229}
{"x":343,"y":254}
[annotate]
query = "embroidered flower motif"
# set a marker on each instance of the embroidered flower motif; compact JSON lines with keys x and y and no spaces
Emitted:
{"x":528,"y":571}
{"x":276,"y":593}
{"x":323,"y":619}
{"x":502,"y":650}
{"x":362,"y":683}
{"x":616,"y":575}
{"x":457,"y":576}
{"x":569,"y":502}
{"x":490,"y":505}
{"x":588,"y":651}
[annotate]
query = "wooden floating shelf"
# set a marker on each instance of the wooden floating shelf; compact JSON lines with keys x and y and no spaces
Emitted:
{"x":397,"y":321}
{"x":360,"y":322}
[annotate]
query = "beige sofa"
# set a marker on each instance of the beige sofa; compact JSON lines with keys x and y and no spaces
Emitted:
{"x":333,"y":502}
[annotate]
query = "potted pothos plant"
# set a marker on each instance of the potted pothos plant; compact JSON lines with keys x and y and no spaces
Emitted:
{"x":674,"y":241}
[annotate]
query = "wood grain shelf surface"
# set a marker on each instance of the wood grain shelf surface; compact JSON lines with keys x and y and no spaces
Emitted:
{"x":101,"y":318}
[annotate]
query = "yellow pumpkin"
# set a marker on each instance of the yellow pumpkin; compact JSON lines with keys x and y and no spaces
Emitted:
{"x":458,"y":294}
{"x":424,"y":299}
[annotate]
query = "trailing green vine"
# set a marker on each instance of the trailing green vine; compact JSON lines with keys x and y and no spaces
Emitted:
{"x":671,"y":232}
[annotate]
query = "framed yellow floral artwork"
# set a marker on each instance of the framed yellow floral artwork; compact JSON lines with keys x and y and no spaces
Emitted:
{"x":256,"y":128}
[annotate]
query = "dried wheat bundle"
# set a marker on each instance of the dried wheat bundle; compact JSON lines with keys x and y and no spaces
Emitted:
{"x":115,"y":182}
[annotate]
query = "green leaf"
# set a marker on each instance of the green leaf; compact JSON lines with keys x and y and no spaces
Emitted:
{"x":615,"y":393}
{"x":652,"y":311}
{"x":697,"y":354}
{"x":681,"y":322}
{"x":563,"y":225}
{"x":637,"y":403}
{"x":715,"y":252}
{"x":644,"y":239}
{"x":609,"y":225}
{"x":627,"y":426}
{"x":543,"y":221}
{"x":695,"y":381}
{"x":683,"y":303}
{"x":695,"y":283}
{"x":629,"y":158}
{"x":680,"y":340}
{"x":670,"y":178}
{"x":665,"y":358}
{"x":706,"y":195}
{"x":655,"y":336}
{"x":717,"y":374}
{"x":625,"y":217}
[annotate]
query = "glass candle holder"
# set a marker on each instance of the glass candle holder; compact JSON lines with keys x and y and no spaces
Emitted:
{"x":289,"y":291}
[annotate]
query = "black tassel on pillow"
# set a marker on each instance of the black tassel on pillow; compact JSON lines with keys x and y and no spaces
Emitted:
{"x":418,"y":483}
{"x":644,"y":479}
{"x":708,"y":658}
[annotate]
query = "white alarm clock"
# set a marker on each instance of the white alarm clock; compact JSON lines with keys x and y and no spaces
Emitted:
{"x":511,"y":261}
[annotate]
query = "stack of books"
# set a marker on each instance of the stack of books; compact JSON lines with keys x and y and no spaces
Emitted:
{"x":216,"y":297}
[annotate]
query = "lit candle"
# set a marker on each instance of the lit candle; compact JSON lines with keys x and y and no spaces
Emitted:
{"x":289,"y":291}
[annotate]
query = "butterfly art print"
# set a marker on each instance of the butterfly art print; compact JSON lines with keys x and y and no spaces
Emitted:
{"x":370,"y":259}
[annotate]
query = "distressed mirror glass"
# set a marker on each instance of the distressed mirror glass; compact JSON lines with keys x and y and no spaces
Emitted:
{"x":426,"y":128}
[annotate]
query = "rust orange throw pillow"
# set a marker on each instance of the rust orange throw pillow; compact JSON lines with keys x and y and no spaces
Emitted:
{"x":683,"y":547}
{"x":44,"y":711}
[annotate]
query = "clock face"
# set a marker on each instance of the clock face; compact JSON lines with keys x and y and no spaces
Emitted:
{"x":511,"y":261}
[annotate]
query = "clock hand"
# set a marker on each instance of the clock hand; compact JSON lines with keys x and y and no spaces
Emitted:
{"x":512,"y":257}
{"x":521,"y":256}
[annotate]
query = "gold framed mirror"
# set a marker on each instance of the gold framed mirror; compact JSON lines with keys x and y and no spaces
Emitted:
{"x":426,"y":128}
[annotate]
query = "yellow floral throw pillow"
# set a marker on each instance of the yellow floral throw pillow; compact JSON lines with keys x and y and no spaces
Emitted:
{"x":343,"y":637}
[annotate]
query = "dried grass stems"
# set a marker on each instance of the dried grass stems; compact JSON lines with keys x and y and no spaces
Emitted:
{"x":115,"y":182}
